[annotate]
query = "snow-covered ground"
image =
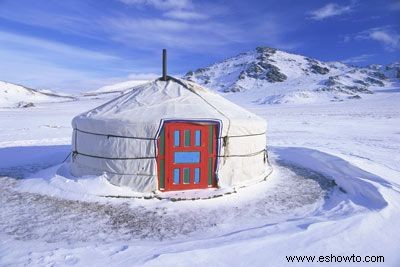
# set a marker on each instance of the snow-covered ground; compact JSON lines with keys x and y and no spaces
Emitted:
{"x":335,"y":190}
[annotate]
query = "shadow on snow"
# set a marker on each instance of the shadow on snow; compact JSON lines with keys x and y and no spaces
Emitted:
{"x":20,"y":162}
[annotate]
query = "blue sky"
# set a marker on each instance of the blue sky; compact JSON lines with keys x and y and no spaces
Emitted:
{"x":79,"y":45}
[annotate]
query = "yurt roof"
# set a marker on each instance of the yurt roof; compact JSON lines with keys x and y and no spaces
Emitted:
{"x":139,"y":112}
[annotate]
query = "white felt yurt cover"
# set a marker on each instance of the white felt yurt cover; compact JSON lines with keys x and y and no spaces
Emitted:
{"x":119,"y":138}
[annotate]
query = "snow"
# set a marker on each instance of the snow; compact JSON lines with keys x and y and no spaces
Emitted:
{"x":335,"y":189}
{"x":13,"y":95}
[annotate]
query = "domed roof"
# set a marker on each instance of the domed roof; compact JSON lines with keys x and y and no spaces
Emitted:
{"x":138,"y":112}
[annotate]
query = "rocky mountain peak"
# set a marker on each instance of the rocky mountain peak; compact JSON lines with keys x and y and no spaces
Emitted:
{"x":272,"y":72}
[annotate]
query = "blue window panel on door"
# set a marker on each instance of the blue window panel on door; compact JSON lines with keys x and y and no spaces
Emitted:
{"x":197,"y":139}
{"x":187,"y":157}
{"x":197,"y":175}
{"x":176,"y":176}
{"x":176,"y":138}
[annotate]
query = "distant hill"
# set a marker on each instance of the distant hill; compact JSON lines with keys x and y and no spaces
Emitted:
{"x":14,"y":95}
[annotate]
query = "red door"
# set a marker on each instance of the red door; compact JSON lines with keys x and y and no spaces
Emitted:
{"x":189,"y":156}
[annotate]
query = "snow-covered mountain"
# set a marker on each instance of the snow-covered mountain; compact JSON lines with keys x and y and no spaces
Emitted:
{"x":14,"y":95}
{"x":116,"y":88}
{"x":391,"y":71}
{"x":271,"y":76}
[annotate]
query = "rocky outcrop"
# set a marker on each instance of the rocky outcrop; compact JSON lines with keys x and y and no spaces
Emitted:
{"x":316,"y":67}
{"x":263,"y":71}
{"x":23,"y":104}
{"x":320,"y":70}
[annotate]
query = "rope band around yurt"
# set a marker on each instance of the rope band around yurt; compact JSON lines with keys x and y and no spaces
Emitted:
{"x":75,"y":153}
{"x":153,"y":139}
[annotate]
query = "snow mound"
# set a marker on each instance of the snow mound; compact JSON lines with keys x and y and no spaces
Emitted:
{"x":13,"y":95}
{"x":355,"y":182}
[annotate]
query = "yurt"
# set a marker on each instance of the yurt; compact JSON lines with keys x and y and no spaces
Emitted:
{"x":168,"y":135}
